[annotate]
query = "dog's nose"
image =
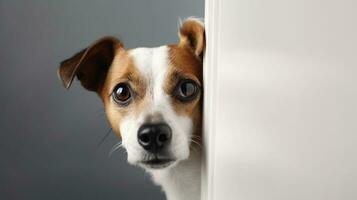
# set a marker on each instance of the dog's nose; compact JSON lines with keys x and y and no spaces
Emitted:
{"x":154,"y":137}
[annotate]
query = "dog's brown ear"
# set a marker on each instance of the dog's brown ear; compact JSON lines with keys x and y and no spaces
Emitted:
{"x":192,"y":34}
{"x":90,"y":65}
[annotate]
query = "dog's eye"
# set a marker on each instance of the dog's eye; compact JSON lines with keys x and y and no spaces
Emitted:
{"x":122,"y":94}
{"x":186,"y":90}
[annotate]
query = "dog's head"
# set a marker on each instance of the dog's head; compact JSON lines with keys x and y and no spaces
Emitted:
{"x":152,"y":96}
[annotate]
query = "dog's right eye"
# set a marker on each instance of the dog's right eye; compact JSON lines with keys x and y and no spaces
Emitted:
{"x":122,"y":94}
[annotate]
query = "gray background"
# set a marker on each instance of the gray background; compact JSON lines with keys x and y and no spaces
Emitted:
{"x":49,"y":136}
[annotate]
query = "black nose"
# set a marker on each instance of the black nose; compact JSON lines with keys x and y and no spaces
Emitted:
{"x":154,"y":137}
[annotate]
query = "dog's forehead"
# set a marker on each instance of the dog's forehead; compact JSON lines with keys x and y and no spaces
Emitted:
{"x":159,"y":61}
{"x":151,"y":62}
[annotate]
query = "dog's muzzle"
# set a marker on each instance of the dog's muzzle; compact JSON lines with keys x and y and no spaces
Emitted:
{"x":154,"y":137}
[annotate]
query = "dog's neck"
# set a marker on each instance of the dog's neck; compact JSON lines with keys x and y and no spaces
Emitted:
{"x":182,"y":181}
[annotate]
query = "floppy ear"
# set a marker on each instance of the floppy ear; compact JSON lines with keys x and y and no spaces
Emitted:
{"x":90,"y":65}
{"x":192,"y":35}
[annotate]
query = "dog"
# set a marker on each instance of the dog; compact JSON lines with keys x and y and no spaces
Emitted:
{"x":153,"y":101}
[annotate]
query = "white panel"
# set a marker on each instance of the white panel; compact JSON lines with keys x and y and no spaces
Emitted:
{"x":284,"y":125}
{"x":210,"y":97}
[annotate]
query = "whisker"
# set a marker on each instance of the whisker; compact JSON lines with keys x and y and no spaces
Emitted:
{"x":196,"y":137}
{"x":105,"y":137}
{"x":114,"y":148}
{"x":196,"y":142}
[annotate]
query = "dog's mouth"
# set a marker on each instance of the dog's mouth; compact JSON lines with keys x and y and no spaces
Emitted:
{"x":157,"y":163}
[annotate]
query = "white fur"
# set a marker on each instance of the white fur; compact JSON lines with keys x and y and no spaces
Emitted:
{"x":181,"y":180}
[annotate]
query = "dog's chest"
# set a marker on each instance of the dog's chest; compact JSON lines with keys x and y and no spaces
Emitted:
{"x":182,"y":181}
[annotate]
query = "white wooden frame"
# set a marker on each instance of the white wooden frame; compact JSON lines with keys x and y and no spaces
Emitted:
{"x":210,"y":90}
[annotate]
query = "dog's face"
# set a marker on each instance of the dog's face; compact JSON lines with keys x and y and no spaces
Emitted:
{"x":152,"y":96}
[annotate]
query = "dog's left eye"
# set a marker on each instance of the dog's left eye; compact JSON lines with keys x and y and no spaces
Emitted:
{"x":186,"y":90}
{"x":122,"y":94}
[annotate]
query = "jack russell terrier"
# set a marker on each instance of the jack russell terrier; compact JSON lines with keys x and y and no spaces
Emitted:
{"x":153,"y":101}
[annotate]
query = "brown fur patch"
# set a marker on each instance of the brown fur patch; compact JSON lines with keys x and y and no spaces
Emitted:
{"x":192,"y":35}
{"x":184,"y":64}
{"x":90,"y":65}
{"x":123,"y":70}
